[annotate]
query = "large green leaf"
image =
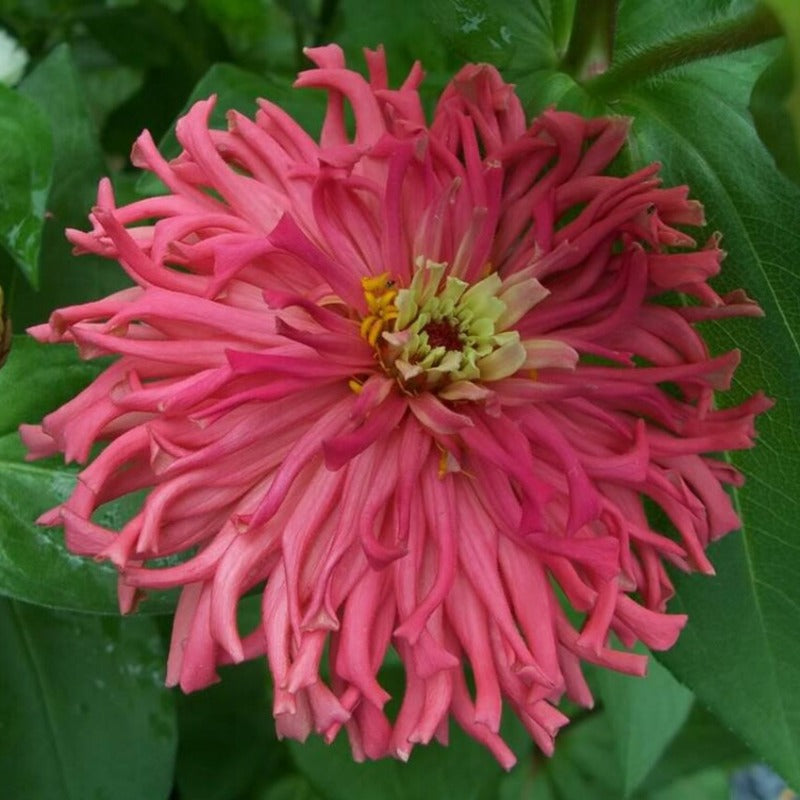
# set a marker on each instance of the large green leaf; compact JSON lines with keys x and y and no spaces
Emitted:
{"x":711,"y":784}
{"x":644,"y":715}
{"x":84,"y":714}
{"x":461,"y":771}
{"x":755,"y":687}
{"x":740,"y":653}
{"x":227,"y":734}
{"x":34,"y":565}
{"x":582,"y":767}
{"x":696,"y":763}
{"x":517,"y":36}
{"x":703,"y":744}
{"x":55,"y":87}
{"x":26,"y":161}
{"x":292,"y":787}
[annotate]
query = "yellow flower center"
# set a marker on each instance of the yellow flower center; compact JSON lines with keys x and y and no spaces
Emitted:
{"x":379,"y":292}
{"x":440,"y":333}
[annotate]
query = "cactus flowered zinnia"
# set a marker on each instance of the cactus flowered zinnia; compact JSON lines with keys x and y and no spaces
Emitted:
{"x":417,"y":388}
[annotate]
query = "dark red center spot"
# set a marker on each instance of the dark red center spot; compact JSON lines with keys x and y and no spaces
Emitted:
{"x":442,"y":333}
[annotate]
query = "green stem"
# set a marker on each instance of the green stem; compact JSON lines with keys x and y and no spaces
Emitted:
{"x":591,"y":43}
{"x":727,"y":36}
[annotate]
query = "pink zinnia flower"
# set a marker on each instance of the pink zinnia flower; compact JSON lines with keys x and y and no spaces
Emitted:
{"x":405,"y":384}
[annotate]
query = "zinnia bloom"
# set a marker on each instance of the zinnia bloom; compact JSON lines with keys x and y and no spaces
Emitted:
{"x":416,"y":387}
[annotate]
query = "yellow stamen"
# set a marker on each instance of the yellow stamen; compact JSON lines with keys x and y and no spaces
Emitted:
{"x":366,"y":324}
{"x":379,"y":292}
{"x":376,"y":330}
{"x":386,"y":298}
{"x":356,"y":387}
{"x":533,"y":374}
{"x":375,"y":283}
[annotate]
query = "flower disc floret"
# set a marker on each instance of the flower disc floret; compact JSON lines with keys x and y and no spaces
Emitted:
{"x":445,"y":331}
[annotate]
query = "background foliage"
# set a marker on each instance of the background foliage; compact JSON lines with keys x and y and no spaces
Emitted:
{"x":713,"y":88}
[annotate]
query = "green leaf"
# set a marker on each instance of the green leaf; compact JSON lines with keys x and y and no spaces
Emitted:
{"x":712,"y":784}
{"x":83,"y":713}
{"x":516,"y":36}
{"x":227,"y":736}
{"x":405,"y":36}
{"x":142,"y":22}
{"x":582,"y":766}
{"x":292,"y":787}
{"x":238,"y":89}
{"x":55,"y":86}
{"x":644,"y":715}
{"x":740,"y":653}
{"x":754,"y":688}
{"x":34,"y":564}
{"x":262,"y":37}
{"x":464,"y":770}
{"x":26,"y":163}
{"x":788,"y":15}
{"x":771,"y":116}
{"x":107,"y":83}
{"x":181,"y":45}
{"x":459,"y":772}
{"x":644,"y":24}
{"x":702,"y":744}
{"x":529,"y":781}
